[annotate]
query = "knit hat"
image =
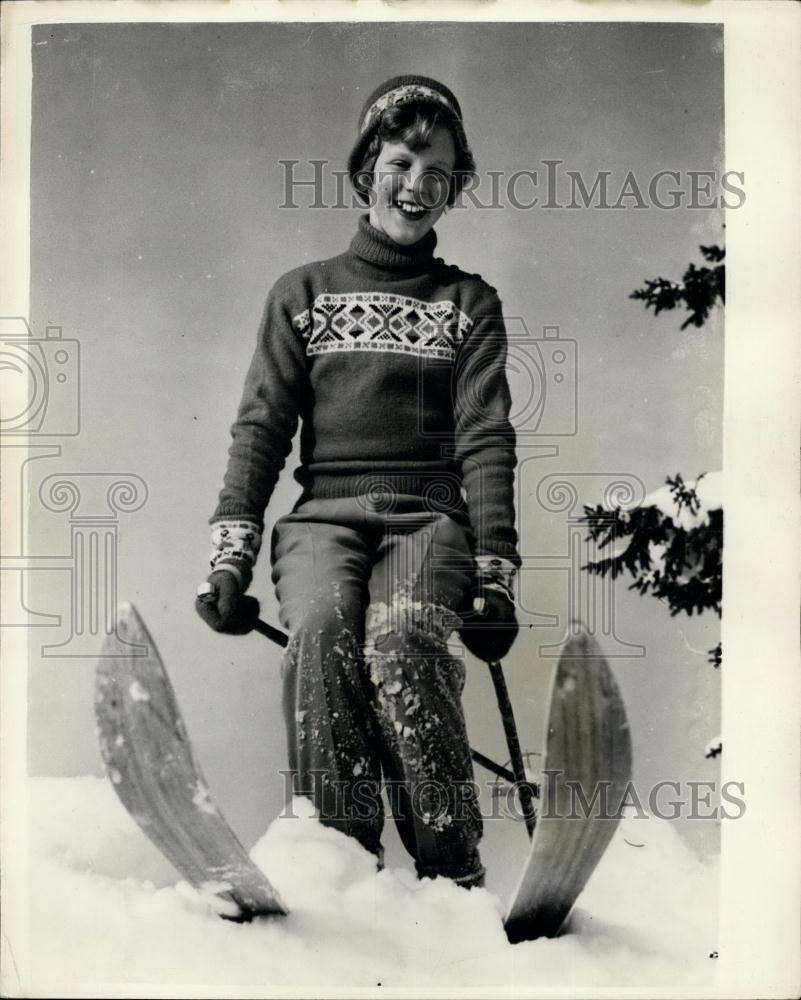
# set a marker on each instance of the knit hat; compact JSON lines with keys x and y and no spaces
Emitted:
{"x":403,"y":90}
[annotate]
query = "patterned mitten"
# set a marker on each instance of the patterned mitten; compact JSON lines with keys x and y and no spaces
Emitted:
{"x":222,"y":602}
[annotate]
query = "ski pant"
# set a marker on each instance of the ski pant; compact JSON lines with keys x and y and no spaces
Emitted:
{"x":369,"y":592}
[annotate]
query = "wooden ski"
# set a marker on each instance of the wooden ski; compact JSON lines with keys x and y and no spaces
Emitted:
{"x":585,"y":775}
{"x":149,"y":759}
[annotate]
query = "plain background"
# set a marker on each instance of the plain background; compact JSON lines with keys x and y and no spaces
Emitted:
{"x":156,"y":233}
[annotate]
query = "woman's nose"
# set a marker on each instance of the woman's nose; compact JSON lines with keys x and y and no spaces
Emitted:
{"x":401,"y":183}
{"x":428,"y":188}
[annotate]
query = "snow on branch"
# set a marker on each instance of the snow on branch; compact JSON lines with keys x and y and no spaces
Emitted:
{"x":671,"y":545}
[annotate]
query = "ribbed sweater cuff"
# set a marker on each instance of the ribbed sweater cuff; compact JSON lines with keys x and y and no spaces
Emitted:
{"x":228,"y":510}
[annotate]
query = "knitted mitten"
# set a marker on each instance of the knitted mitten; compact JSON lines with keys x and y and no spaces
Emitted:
{"x":491,"y":631}
{"x":235,"y":548}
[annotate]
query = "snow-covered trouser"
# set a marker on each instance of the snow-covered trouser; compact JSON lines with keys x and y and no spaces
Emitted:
{"x":370,"y":591}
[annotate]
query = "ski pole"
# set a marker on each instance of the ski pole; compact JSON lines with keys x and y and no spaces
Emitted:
{"x":275,"y":634}
{"x":513,"y":742}
{"x":516,"y":776}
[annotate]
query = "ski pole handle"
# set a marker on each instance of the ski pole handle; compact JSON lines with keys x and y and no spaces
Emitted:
{"x":208,"y":593}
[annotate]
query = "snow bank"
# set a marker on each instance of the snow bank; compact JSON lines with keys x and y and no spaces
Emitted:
{"x":107,"y":911}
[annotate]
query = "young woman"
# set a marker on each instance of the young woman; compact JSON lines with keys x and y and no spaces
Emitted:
{"x":405,"y":529}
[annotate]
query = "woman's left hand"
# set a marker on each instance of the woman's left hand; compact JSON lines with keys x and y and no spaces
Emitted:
{"x":490,"y":635}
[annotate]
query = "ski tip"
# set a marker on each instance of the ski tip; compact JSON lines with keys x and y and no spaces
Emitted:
{"x":579,"y":642}
{"x":129,"y":637}
{"x":129,"y":620}
{"x":127,"y":610}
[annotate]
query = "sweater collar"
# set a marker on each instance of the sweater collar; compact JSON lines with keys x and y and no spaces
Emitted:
{"x":375,"y":247}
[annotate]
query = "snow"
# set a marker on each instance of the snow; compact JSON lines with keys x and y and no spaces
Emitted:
{"x":202,"y":799}
{"x":107,"y":909}
{"x":138,"y":692}
{"x":708,"y":489}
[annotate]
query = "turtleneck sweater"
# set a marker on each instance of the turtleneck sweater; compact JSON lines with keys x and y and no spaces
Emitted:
{"x":395,"y":363}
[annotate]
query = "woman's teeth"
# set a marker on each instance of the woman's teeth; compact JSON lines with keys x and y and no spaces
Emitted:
{"x":412,"y":211}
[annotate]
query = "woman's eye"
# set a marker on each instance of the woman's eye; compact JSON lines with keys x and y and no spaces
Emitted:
{"x":399,"y":163}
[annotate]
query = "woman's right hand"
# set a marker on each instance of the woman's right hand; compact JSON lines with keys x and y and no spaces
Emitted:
{"x":223,"y":605}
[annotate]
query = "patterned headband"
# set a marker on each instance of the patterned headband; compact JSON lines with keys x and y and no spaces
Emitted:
{"x":403,"y":95}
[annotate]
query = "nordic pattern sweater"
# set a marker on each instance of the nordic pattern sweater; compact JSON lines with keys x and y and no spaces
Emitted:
{"x":395,"y":363}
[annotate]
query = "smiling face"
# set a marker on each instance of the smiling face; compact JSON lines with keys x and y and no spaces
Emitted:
{"x":410,"y":187}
